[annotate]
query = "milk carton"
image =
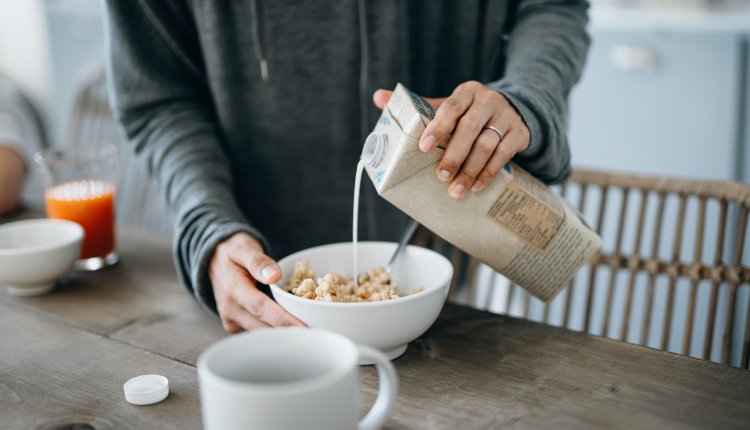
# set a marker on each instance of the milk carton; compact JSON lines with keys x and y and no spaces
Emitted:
{"x":516,"y":225}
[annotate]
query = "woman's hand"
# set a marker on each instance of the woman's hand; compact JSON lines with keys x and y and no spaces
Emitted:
{"x":234,"y":268}
{"x":474,"y":153}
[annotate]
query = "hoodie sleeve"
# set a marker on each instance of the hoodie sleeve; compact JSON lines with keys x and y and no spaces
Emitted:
{"x":21,"y":131}
{"x":544,"y":59}
{"x":160,"y":96}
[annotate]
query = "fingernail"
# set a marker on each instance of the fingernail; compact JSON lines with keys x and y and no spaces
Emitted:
{"x":427,"y":143}
{"x":457,"y":191}
{"x":477,"y":186}
{"x":268,"y":272}
{"x":444,"y":175}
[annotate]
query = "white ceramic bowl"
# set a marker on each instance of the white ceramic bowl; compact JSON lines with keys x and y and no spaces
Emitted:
{"x":34,"y":253}
{"x":388,"y":325}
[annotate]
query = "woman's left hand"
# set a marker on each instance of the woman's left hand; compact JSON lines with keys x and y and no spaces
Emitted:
{"x":483,"y":132}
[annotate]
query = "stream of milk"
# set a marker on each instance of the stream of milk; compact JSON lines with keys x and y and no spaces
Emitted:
{"x":355,"y":218}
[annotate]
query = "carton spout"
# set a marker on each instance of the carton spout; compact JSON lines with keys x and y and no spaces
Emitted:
{"x":375,"y":148}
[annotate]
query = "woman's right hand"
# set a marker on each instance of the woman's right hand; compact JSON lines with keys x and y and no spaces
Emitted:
{"x":237,"y":264}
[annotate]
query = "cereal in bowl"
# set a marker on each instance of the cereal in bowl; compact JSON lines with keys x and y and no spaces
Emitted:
{"x":375,"y":285}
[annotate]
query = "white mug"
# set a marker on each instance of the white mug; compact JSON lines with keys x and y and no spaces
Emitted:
{"x":290,"y":378}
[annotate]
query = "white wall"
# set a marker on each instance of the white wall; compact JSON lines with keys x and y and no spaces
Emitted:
{"x":76,"y":40}
{"x":47,"y":46}
{"x":24,"y":49}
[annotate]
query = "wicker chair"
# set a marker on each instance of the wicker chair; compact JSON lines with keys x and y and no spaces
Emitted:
{"x":91,"y":123}
{"x":672,"y":272}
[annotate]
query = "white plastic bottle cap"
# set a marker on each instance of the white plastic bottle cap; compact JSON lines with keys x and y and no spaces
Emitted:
{"x":146,"y":389}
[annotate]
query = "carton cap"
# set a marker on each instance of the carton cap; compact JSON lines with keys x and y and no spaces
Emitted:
{"x":146,"y":389}
{"x":375,"y":148}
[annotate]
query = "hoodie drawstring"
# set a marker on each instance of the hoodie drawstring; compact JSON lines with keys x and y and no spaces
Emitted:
{"x":364,"y":66}
{"x":259,"y":37}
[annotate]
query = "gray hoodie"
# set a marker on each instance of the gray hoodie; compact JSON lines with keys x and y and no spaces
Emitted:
{"x":234,"y":148}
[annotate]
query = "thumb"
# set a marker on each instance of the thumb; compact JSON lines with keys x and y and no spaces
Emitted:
{"x":260,"y":266}
{"x":381,"y":97}
{"x":264,"y":269}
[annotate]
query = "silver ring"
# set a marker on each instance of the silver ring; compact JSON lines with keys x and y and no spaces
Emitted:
{"x":499,"y":133}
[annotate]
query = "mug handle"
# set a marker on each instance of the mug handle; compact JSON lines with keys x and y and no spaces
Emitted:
{"x":387,"y":388}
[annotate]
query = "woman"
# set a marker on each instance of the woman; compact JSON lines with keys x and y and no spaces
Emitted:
{"x":252,"y":115}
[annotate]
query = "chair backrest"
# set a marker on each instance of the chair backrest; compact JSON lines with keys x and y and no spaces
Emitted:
{"x":672,"y":272}
{"x":91,"y":123}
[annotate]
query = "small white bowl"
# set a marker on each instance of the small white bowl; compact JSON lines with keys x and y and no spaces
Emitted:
{"x":34,"y":253}
{"x":387,"y":325}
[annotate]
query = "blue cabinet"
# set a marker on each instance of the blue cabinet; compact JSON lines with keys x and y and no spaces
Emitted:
{"x":660,"y":102}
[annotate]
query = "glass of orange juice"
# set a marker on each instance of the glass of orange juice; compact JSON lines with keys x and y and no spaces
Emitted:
{"x":81,"y":188}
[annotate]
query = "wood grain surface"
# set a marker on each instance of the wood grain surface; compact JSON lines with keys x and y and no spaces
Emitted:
{"x":64,"y":357}
{"x":56,"y":376}
{"x":476,"y":370}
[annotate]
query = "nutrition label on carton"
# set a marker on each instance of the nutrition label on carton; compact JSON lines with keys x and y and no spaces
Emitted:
{"x":534,"y":222}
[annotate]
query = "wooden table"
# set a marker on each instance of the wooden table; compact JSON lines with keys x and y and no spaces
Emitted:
{"x":64,"y":357}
